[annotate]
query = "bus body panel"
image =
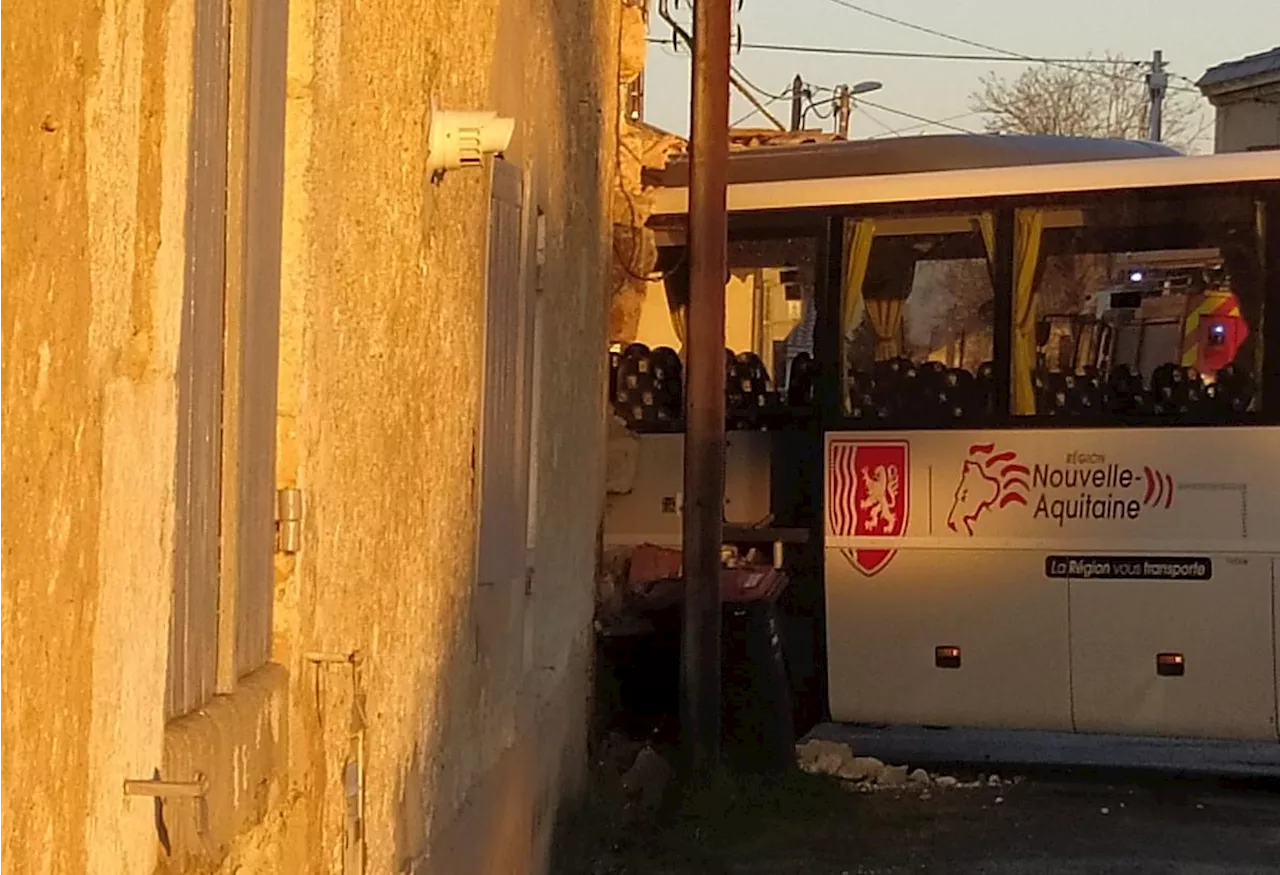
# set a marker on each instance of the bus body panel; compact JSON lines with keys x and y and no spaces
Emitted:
{"x":1060,"y":563}
{"x":647,"y":509}
{"x":885,"y":629}
{"x":1223,"y":632}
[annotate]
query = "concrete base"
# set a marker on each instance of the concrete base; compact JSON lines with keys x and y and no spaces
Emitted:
{"x":238,"y":742}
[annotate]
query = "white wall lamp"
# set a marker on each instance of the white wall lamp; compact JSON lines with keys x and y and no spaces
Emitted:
{"x":462,"y":139}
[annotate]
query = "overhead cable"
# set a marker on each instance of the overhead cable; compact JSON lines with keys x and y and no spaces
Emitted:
{"x":898,"y":132}
{"x":919,"y":118}
{"x":986,"y":47}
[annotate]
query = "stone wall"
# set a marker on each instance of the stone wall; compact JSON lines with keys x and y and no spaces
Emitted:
{"x":383,"y":308}
{"x":640,"y":146}
{"x":95,"y":119}
{"x":474,"y":699}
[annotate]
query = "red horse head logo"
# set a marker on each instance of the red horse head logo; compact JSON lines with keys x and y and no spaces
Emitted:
{"x":988,"y":479}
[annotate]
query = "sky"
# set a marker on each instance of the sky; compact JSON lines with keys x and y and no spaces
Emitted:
{"x":1193,"y":34}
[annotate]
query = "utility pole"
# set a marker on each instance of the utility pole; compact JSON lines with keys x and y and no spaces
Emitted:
{"x":797,"y":102}
{"x":703,"y":523}
{"x":1157,"y":82}
{"x":844,"y":106}
{"x":664,"y":11}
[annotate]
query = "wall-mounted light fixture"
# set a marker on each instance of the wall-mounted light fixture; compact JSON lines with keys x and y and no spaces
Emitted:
{"x":462,"y":139}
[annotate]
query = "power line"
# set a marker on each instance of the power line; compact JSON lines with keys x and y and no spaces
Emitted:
{"x":984,"y":46}
{"x":929,"y":56}
{"x":814,"y":108}
{"x":875,"y":118}
{"x":922,"y":29}
{"x":1015,"y":58}
{"x":897,"y":132}
{"x":924,"y":122}
{"x":754,"y":111}
{"x":1195,"y":89}
{"x":736,"y":79}
{"x":786,"y":92}
{"x":919,"y":118}
{"x":892,"y":53}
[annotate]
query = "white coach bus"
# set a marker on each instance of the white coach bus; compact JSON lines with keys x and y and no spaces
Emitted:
{"x":1024,"y":397}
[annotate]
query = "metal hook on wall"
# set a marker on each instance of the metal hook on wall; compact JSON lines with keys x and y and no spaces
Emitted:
{"x":353,"y":838}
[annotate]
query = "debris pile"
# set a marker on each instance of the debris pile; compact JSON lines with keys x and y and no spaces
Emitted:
{"x":646,"y":781}
{"x":868,"y":774}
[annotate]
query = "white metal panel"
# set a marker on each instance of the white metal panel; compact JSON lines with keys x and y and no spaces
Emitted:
{"x":1008,"y":621}
{"x":1218,"y":503}
{"x":649,"y":513}
{"x":1223,"y":629}
{"x":980,"y":531}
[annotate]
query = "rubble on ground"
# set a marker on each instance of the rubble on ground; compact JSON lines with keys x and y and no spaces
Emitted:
{"x":647,"y":779}
{"x":865,"y":774}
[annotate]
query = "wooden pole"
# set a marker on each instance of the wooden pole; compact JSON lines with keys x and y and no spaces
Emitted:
{"x":705,"y":402}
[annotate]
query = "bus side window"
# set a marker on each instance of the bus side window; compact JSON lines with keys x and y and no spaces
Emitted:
{"x":1131,"y":307}
{"x":916,"y":321}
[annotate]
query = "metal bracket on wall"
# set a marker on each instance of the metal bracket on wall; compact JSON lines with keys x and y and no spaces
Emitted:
{"x":161,"y":790}
{"x":288,"y":520}
{"x":353,"y":840}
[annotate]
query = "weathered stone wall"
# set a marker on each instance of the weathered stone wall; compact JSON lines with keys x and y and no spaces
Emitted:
{"x":475,"y":699}
{"x":640,"y":146}
{"x":95,"y":118}
{"x":472,"y":694}
{"x":1245,"y":121}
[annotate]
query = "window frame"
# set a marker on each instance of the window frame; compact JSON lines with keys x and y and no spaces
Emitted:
{"x":502,"y":541}
{"x":233,"y":281}
{"x":192,"y":657}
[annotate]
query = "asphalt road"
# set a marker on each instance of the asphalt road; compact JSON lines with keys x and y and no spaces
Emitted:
{"x":1084,"y":804}
{"x":1092,"y":806}
{"x":1081,"y":821}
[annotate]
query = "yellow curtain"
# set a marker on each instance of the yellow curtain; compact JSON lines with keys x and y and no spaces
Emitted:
{"x":680,"y":321}
{"x":987,"y":228}
{"x":1028,"y":227}
{"x":885,"y":315}
{"x":858,"y":237}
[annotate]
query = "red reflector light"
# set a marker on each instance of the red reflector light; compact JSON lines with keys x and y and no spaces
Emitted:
{"x":1170,"y":664}
{"x":947,"y":656}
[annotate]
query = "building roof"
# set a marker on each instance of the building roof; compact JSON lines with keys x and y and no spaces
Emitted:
{"x":655,"y":131}
{"x":1245,"y":68}
{"x":761,"y":138}
{"x":840,"y":158}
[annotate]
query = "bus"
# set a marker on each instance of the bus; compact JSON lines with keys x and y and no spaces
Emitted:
{"x":1022,"y":397}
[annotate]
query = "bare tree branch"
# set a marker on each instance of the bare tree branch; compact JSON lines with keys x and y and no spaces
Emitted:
{"x":1101,"y":100}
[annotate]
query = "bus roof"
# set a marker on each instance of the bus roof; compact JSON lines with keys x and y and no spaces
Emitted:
{"x":840,"y":158}
{"x":1043,"y":171}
